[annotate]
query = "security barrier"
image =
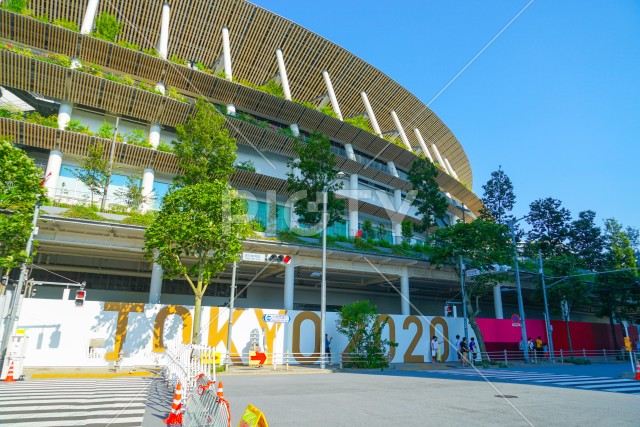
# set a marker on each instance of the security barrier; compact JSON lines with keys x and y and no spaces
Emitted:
{"x":204,"y":402}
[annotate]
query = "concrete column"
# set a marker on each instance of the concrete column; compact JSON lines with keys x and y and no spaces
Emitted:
{"x":404,"y":292}
{"x":148,"y":177}
{"x":451,"y":171}
{"x":155,"y":289}
{"x":370,"y":113}
{"x":403,"y":136}
{"x":89,"y":17}
{"x":392,"y":169}
{"x":351,"y":155}
{"x":332,"y":94}
{"x":64,"y":114}
{"x":353,"y":208}
{"x":285,"y":87}
{"x":54,"y":165}
{"x":226,"y":53}
{"x":438,"y":156}
{"x":154,"y":134}
{"x":289,"y":278}
{"x":497,"y":302}
{"x":424,"y":147}
{"x":231,"y":109}
{"x":75,"y":63}
{"x":160,"y":87}
{"x":163,"y":41}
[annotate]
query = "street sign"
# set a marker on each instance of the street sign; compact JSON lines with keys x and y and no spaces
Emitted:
{"x":473,"y":272}
{"x":248,"y":256}
{"x":627,"y":343}
{"x":277,"y":318}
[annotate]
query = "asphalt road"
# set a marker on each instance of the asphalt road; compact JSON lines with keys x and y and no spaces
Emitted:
{"x":372,"y":399}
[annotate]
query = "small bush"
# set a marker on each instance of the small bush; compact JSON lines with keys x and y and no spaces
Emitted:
{"x":177,"y":60}
{"x":38,"y":119}
{"x":56,"y":58}
{"x":125,"y":80}
{"x":163,"y":146}
{"x":43,"y":18}
{"x":151,"y":51}
{"x":138,"y":137}
{"x":83,"y":212}
{"x":328,"y":110}
{"x":76,"y":126}
{"x":247,"y":165}
{"x":136,"y":218}
{"x":92,"y":69}
{"x":173,"y":93}
{"x":148,"y":88}
{"x":287,"y":236}
{"x":256,"y":226}
{"x":360,"y":122}
{"x":17,"y":6}
{"x":65,"y":23}
{"x":128,"y":45}
{"x":11,"y":113}
{"x":107,"y":27}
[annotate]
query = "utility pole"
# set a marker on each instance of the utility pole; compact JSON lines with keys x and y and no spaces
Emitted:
{"x":16,"y":300}
{"x":464,"y":300}
{"x":546,"y":309}
{"x":232,"y":300}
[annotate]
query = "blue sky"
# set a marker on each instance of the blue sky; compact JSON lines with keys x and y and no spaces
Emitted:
{"x":555,"y":99}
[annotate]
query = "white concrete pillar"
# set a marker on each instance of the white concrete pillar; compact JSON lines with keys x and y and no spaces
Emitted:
{"x":148,"y":177}
{"x":370,"y":113}
{"x":438,"y":156}
{"x":163,"y":40}
{"x":451,"y":171}
{"x":160,"y":87}
{"x":424,"y":147}
{"x":64,"y":114}
{"x":392,"y":169}
{"x":289,"y":279}
{"x":226,"y":53}
{"x":497,"y":302}
{"x":154,"y":134}
{"x":351,"y":155}
{"x":155,"y":288}
{"x":89,"y":17}
{"x":396,"y":226}
{"x":353,"y":210}
{"x":54,"y":165}
{"x":404,"y":292}
{"x":231,"y":109}
{"x":283,"y":75}
{"x":75,"y":63}
{"x":332,"y":94}
{"x":403,"y":136}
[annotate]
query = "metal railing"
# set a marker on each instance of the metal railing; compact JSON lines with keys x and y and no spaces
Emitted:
{"x":560,"y":356}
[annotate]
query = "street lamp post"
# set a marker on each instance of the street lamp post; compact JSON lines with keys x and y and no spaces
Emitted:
{"x":464,"y":299}
{"x":323,"y":289}
{"x":523,"y":326}
{"x":546,"y":309}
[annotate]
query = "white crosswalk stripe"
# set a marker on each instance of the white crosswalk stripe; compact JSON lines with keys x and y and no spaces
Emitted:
{"x":117,"y":402}
{"x":618,"y":385}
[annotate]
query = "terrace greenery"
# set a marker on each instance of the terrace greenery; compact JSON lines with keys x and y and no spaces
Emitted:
{"x":107,"y":27}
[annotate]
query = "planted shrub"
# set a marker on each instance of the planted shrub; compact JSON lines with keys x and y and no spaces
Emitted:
{"x":163,"y":146}
{"x":11,"y":113}
{"x":38,"y":119}
{"x":138,"y":137}
{"x":107,"y":27}
{"x":65,"y":23}
{"x":151,"y":51}
{"x":17,"y":6}
{"x":83,"y":212}
{"x":148,"y":88}
{"x":173,"y":93}
{"x":77,"y":126}
{"x":128,"y":45}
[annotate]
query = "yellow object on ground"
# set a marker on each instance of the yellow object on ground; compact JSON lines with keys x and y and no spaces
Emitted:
{"x":253,"y":418}
{"x":210,"y":357}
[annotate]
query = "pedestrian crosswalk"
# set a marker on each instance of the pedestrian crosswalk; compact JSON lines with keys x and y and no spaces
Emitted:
{"x":116,"y":402}
{"x":617,"y":385}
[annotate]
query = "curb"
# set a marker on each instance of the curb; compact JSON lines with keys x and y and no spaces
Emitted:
{"x":61,"y":375}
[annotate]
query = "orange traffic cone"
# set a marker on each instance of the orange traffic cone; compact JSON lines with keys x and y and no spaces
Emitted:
{"x":9,"y":378}
{"x":637,"y":371}
{"x":175,"y":416}
{"x":220,"y":390}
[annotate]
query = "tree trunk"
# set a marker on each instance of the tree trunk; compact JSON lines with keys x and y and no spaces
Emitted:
{"x":197,"y":312}
{"x":471,"y":315}
{"x":566,"y":322}
{"x":613,"y":331}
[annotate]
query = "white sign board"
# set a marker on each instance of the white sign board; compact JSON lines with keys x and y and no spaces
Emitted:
{"x":248,"y":256}
{"x":473,"y":272}
{"x":277,"y":318}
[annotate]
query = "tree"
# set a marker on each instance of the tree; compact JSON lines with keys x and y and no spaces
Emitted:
{"x":618,"y":293}
{"x":498,"y":199}
{"x":358,"y":322}
{"x":549,"y":223}
{"x":585,"y":240}
{"x":317,"y":166}
{"x":94,"y":170}
{"x":430,"y":203}
{"x":479,"y":243}
{"x":204,"y":149}
{"x":20,"y":189}
{"x":407,"y":230}
{"x":132,"y":195}
{"x":197,"y":232}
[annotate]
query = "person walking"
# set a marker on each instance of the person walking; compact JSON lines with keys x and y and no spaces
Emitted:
{"x":458,"y":349}
{"x":434,"y":349}
{"x":327,"y":347}
{"x":473,"y":349}
{"x":464,"y":351}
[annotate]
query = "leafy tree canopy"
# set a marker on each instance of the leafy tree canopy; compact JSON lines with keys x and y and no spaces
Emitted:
{"x":94,"y":170}
{"x":586,"y":242}
{"x":198,"y":231}
{"x":19,"y":191}
{"x":316,"y":164}
{"x":430,"y":203}
{"x":204,"y":149}
{"x":498,"y":199}
{"x":549,"y":223}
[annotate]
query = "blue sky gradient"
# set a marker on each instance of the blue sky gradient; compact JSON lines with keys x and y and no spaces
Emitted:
{"x":555,"y":99}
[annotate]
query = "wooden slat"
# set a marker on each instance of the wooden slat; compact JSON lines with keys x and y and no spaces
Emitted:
{"x":6,"y":18}
{"x":49,"y":79}
{"x":61,"y":40}
{"x":28,"y":31}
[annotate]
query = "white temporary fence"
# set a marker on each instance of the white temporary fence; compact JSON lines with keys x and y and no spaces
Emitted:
{"x":194,"y":366}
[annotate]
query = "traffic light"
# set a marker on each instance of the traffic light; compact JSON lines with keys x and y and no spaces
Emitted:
{"x":448,"y":311}
{"x":80,"y":297}
{"x":277,"y":258}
